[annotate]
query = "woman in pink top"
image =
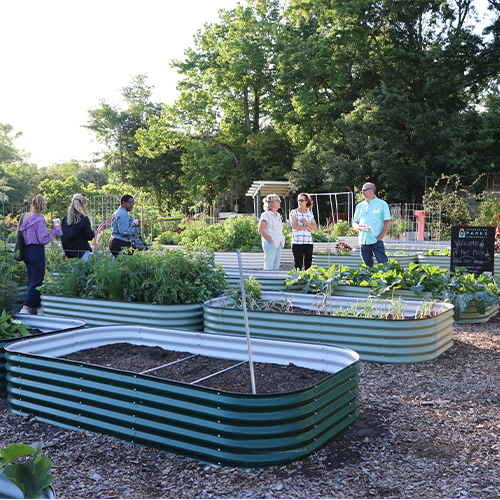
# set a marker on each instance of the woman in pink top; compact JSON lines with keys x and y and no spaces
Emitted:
{"x":36,"y":236}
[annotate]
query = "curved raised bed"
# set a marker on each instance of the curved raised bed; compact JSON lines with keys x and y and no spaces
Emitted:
{"x":244,"y":430}
{"x":102,"y":312}
{"x":47,"y":324}
{"x":354,"y":260}
{"x":374,"y":339}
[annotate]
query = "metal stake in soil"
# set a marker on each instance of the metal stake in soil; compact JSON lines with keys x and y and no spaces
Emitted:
{"x":247,"y":327}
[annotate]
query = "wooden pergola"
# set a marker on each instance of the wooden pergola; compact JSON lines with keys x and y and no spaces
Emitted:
{"x":260,"y":189}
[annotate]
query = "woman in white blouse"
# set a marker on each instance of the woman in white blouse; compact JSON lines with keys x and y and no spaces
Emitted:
{"x":302,"y":220}
{"x":271,"y":230}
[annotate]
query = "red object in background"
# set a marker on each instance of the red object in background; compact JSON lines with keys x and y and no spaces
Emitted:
{"x":421,"y":223}
{"x":497,"y":236}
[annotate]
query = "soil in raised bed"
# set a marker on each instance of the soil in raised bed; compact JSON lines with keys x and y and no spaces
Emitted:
{"x":270,"y":378}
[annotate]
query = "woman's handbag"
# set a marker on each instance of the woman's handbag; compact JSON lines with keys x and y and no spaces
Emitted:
{"x":19,"y":247}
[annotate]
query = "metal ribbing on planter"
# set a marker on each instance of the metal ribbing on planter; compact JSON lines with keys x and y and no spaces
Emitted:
{"x":101,"y":312}
{"x":219,"y":427}
{"x":379,"y":340}
{"x":354,"y":260}
{"x":47,"y":324}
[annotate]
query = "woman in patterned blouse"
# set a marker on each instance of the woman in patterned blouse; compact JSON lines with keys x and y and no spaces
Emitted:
{"x":302,"y":220}
{"x":271,"y":230}
{"x":36,"y":236}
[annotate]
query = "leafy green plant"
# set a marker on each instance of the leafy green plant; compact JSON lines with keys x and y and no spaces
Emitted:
{"x":342,"y":228}
{"x":32,"y":476}
{"x":162,"y":277}
{"x":10,"y":327}
{"x":442,"y":252}
{"x":460,"y":288}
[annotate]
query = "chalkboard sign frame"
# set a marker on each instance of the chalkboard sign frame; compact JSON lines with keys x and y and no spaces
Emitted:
{"x":473,"y":248}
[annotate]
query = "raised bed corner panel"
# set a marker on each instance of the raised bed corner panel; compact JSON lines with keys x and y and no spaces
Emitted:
{"x":103,"y":312}
{"x":244,"y":430}
{"x":46,"y":324}
{"x":374,"y":339}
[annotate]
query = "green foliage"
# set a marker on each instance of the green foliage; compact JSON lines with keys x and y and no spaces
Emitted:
{"x":162,"y":277}
{"x":10,"y":327}
{"x":235,"y":233}
{"x":13,"y":275}
{"x":460,"y":288}
{"x":448,"y":198}
{"x":489,"y":210}
{"x":446,"y":252}
{"x":342,"y":228}
{"x":253,"y":294}
{"x":32,"y":476}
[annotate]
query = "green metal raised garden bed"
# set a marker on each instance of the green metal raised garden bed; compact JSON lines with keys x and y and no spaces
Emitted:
{"x":47,"y":324}
{"x":102,"y":312}
{"x":354,"y":260}
{"x":269,"y":280}
{"x":374,"y":339}
{"x":226,"y":428}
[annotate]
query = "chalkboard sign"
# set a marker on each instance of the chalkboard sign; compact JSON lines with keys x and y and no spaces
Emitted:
{"x":473,"y":248}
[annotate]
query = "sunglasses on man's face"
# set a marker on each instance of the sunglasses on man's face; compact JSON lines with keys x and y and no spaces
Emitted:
{"x":366,"y":189}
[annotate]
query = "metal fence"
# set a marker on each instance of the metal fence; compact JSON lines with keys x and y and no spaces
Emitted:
{"x":406,"y":225}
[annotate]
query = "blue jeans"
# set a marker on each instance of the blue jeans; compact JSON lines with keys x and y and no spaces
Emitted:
{"x":377,"y":249}
{"x":272,"y":255}
{"x":34,"y":258}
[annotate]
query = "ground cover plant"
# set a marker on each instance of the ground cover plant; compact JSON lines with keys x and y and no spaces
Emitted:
{"x":162,"y":277}
{"x":462,"y":289}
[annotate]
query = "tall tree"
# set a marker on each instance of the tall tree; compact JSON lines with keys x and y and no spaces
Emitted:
{"x":225,"y":99}
{"x":116,"y":129}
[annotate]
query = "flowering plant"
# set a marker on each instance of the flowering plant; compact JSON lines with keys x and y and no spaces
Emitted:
{"x":343,"y":249}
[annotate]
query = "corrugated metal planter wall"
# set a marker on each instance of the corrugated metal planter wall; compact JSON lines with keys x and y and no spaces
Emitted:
{"x":101,"y":312}
{"x":269,"y":280}
{"x":245,"y":430}
{"x":354,"y":260}
{"x":249,"y":260}
{"x":374,"y":339}
{"x":47,"y":324}
{"x":470,"y":314}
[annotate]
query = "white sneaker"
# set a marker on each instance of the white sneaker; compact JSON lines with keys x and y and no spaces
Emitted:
{"x":24,"y":311}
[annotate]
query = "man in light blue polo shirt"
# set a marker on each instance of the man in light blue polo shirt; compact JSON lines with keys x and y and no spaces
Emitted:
{"x":373,"y":219}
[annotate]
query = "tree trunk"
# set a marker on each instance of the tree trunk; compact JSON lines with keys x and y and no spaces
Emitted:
{"x":246,"y":109}
{"x":256,"y":113}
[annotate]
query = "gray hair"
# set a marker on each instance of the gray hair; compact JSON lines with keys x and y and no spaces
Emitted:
{"x":269,"y":199}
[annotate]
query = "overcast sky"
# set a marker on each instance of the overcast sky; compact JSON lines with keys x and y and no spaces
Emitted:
{"x":60,"y":57}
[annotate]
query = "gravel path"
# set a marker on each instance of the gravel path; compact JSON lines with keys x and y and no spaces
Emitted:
{"x":429,"y":430}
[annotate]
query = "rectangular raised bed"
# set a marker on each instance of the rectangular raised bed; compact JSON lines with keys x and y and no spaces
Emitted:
{"x":245,"y":430}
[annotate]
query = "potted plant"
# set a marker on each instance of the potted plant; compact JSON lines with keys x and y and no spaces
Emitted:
{"x":28,"y":479}
{"x":157,"y":287}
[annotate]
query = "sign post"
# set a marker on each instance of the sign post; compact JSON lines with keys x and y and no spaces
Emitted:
{"x":473,"y":248}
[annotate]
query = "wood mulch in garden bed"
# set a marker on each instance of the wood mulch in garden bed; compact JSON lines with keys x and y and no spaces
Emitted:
{"x":185,"y":367}
{"x":427,"y":430}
